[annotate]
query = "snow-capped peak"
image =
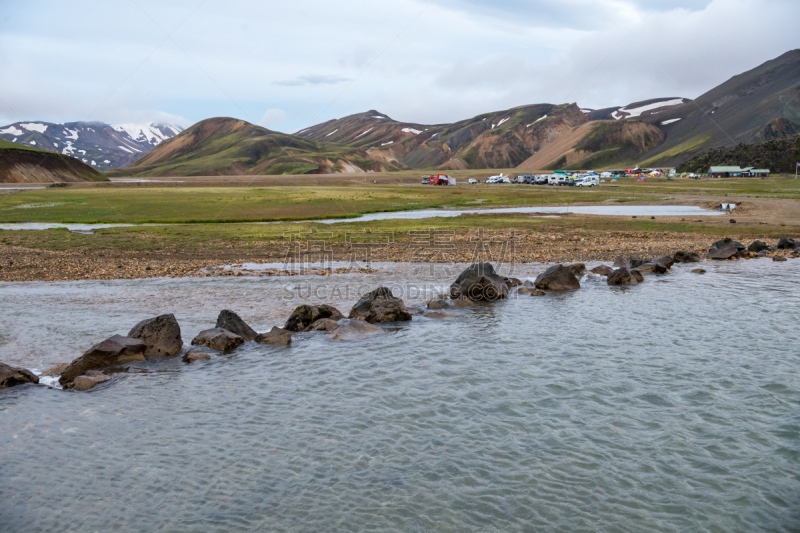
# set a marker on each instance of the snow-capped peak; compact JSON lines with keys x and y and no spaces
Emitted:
{"x":151,"y":133}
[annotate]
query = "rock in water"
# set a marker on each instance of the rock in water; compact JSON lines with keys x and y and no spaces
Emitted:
{"x":758,"y":246}
{"x":115,"y":350}
{"x":219,"y":339}
{"x":89,"y":380}
{"x":699,"y":271}
{"x":651,"y":268}
{"x":622,"y":277}
{"x":11,"y":376}
{"x":161,"y":335}
{"x":354,"y":330}
{"x":787,"y":244}
{"x":666,"y":261}
{"x":438,"y":304}
{"x":724,"y":249}
{"x":379,"y":306}
{"x":512,"y":282}
{"x":602,"y":270}
{"x":232,"y":322}
{"x":54,"y":371}
{"x":324,"y":324}
{"x":463,"y":302}
{"x":579,"y":269}
{"x":636,"y":262}
{"x":305,"y":315}
{"x":620,"y":262}
{"x":779,"y":258}
{"x":277,"y":337}
{"x":479,"y":283}
{"x":441,"y":314}
{"x":557,"y":278}
{"x":193,"y":356}
{"x":686,"y":257}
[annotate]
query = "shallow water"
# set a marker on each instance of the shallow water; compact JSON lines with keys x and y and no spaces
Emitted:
{"x":670,"y":406}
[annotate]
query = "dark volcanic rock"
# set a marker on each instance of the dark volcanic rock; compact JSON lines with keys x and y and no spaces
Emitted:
{"x":651,"y":268}
{"x":479,"y":282}
{"x":278,"y":337}
{"x":622,"y":276}
{"x":579,"y":269}
{"x":232,"y":322}
{"x":557,"y":278}
{"x":305,"y":315}
{"x":758,"y":246}
{"x":381,"y":305}
{"x":787,"y":244}
{"x":11,"y":376}
{"x":602,"y":270}
{"x":686,"y":257}
{"x":161,"y":335}
{"x":218,"y":338}
{"x":667,"y":261}
{"x":89,"y":380}
{"x":115,"y":350}
{"x":724,"y":249}
{"x":193,"y":356}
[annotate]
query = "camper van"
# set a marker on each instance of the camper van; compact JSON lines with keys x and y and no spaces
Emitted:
{"x":589,"y":180}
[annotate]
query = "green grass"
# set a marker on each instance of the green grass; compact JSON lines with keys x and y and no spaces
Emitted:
{"x":8,"y":144}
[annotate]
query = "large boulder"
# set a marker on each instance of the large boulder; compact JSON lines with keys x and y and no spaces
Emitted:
{"x":686,"y":257}
{"x":355,"y":330}
{"x":277,"y":337}
{"x":479,"y":282}
{"x":11,"y":376}
{"x":218,"y":339}
{"x":787,"y":244}
{"x":305,"y":315}
{"x":557,"y":278}
{"x":89,"y":380}
{"x":379,"y":306}
{"x":622,"y":277}
{"x":651,"y":268}
{"x":229,"y":320}
{"x":725,"y":249}
{"x":602,"y":270}
{"x":161,"y":335}
{"x":115,"y":350}
{"x":758,"y":246}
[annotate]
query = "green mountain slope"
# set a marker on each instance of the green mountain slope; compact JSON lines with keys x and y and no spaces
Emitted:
{"x":25,"y":164}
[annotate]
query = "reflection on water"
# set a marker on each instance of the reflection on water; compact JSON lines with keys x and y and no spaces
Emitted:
{"x":673,"y":405}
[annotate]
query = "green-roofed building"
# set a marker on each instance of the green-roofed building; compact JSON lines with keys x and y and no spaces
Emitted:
{"x":737,"y":172}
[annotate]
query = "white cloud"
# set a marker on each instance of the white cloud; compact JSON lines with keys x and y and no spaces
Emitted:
{"x":416,"y":61}
{"x":272,"y":118}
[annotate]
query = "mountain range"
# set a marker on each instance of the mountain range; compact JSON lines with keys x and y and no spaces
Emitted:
{"x":756,"y":106}
{"x":25,"y":164}
{"x":102,"y":146}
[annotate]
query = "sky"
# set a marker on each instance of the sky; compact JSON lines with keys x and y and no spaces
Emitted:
{"x":290,"y":65}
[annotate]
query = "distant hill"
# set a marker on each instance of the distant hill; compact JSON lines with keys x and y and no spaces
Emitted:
{"x":777,"y":155}
{"x":102,"y":146}
{"x":25,"y":164}
{"x":228,"y":146}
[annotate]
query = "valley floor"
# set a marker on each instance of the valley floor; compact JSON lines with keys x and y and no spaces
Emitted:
{"x":177,"y":247}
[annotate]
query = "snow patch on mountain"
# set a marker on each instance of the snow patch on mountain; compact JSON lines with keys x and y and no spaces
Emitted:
{"x":35,"y":126}
{"x":149,"y":133}
{"x":11,"y":130}
{"x":411,"y":130}
{"x":637,"y":112}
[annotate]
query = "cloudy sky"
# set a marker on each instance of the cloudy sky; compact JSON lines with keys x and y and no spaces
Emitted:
{"x":288,"y":65}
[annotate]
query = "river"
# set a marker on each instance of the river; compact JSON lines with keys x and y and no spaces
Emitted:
{"x":673,"y":405}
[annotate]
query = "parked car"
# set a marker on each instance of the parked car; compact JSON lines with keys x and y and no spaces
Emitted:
{"x":473,"y":181}
{"x":426,"y":180}
{"x":588,"y":181}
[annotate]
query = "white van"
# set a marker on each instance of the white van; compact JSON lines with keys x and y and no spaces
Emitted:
{"x":588,"y":181}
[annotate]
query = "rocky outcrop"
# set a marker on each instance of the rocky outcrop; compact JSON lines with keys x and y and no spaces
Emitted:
{"x":193,"y":356}
{"x":355,"y":330}
{"x":89,"y":380}
{"x":276,"y":337}
{"x":623,"y":277}
{"x":229,"y":320}
{"x":787,"y":244}
{"x":11,"y":376}
{"x":686,"y":257}
{"x":602,"y":270}
{"x":305,"y":315}
{"x":557,"y":278}
{"x":725,"y":249}
{"x":115,"y":350}
{"x":380,"y":306}
{"x":758,"y":246}
{"x":479,"y":282}
{"x":161,"y":335}
{"x":218,"y":339}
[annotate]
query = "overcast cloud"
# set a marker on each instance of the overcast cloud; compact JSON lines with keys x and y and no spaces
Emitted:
{"x":288,"y":65}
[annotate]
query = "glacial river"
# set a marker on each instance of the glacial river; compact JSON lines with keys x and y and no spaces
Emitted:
{"x":670,"y":406}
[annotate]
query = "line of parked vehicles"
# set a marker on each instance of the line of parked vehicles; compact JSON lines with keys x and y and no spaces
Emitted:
{"x":563,"y":179}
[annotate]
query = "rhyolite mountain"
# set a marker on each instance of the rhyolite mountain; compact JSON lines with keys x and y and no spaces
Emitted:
{"x":758,"y":105}
{"x":25,"y":164}
{"x":229,"y":146}
{"x":102,"y":146}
